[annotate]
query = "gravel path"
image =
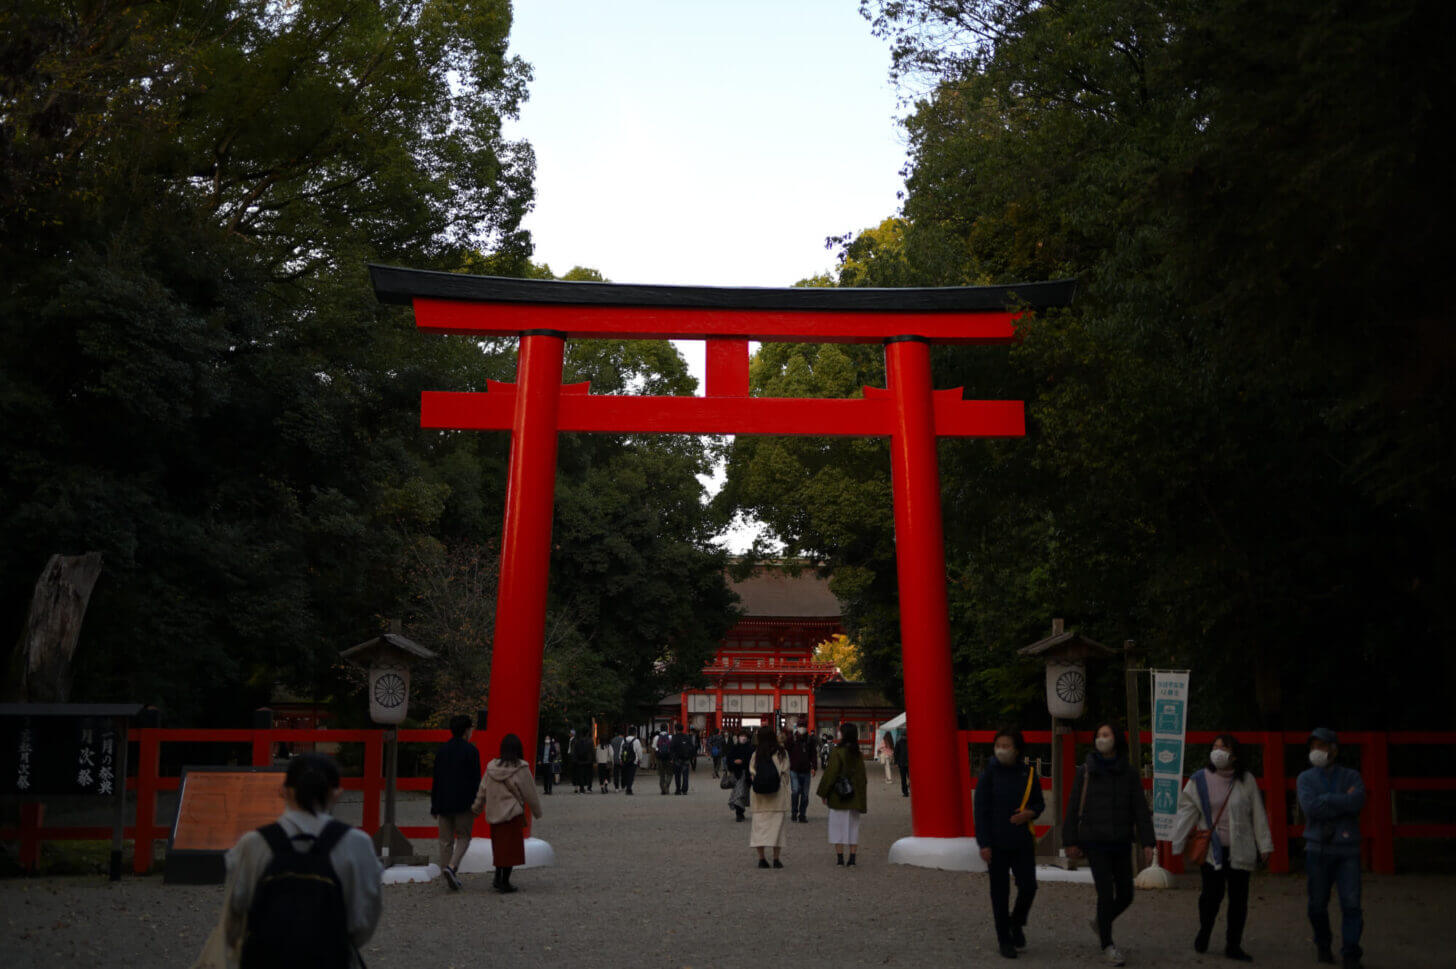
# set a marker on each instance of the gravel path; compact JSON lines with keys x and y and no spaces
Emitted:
{"x":652,"y":881}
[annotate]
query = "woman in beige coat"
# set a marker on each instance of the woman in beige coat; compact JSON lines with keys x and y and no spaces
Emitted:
{"x":770,"y":808}
{"x":1240,"y":839}
{"x":506,"y":791}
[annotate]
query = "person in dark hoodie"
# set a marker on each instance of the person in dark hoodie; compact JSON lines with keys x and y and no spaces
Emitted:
{"x":1008,"y":799}
{"x":1107,"y":813}
{"x":803,"y":763}
{"x":737,"y":762}
{"x":457,"y":775}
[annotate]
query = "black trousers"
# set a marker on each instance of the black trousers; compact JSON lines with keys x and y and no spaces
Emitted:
{"x":1112,"y":874}
{"x":547,"y":774}
{"x":1215,"y":880}
{"x":1006,"y":862}
{"x":904,"y":778}
{"x":629,"y":774}
{"x":680,"y":774}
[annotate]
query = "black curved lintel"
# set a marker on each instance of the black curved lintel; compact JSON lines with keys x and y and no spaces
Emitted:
{"x":395,"y":284}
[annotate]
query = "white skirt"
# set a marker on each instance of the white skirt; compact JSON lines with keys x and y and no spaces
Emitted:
{"x":767,"y":830}
{"x":843,"y":827}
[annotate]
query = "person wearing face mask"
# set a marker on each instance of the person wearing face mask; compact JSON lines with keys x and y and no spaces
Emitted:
{"x":803,"y":764}
{"x":1008,"y":799}
{"x":1224,"y":800}
{"x":738,"y":756}
{"x":1107,"y":813}
{"x":1331,"y":797}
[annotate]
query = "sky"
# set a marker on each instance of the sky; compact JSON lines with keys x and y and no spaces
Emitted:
{"x":696,"y":142}
{"x":705,"y":143}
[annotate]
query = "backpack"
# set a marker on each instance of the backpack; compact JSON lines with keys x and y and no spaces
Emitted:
{"x":682,"y":747}
{"x":766,"y":776}
{"x":297,"y":917}
{"x":629,"y":751}
{"x":664,"y":748}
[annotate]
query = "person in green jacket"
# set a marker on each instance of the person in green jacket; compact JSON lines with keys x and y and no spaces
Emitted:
{"x":844,"y":809}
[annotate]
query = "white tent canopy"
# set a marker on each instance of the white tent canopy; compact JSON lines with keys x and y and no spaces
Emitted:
{"x":895,"y":726}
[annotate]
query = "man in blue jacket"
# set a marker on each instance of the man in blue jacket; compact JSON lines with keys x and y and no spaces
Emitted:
{"x":1331,"y":797}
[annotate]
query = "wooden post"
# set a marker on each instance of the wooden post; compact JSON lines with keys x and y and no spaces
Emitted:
{"x":1134,"y":733}
{"x":1276,"y":800}
{"x":149,"y":764}
{"x":1378,"y":816}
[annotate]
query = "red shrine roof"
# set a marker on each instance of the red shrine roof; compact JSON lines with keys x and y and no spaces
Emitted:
{"x":772,"y":593}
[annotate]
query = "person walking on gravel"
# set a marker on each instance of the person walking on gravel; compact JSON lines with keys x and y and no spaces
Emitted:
{"x":1331,"y":797}
{"x":684,"y":749}
{"x":631,"y":757}
{"x":803,"y":764}
{"x":737,"y":761}
{"x":902,"y":761}
{"x":1222,"y":801}
{"x":769,"y":797}
{"x":1008,"y":799}
{"x":844,"y":788}
{"x":1107,"y":813}
{"x":604,"y":763}
{"x":506,"y":793}
{"x":457,"y":775}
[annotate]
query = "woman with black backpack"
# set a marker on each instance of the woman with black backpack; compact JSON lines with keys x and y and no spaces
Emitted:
{"x":768,"y":773}
{"x":305,"y":889}
{"x":1106,"y":814}
{"x":844,"y":788}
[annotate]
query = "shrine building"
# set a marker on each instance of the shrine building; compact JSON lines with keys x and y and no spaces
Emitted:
{"x":765,"y":671}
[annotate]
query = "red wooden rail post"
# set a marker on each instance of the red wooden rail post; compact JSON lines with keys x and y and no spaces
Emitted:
{"x":373,"y":780}
{"x":1378,"y":821}
{"x":149,"y":765}
{"x":1276,"y":800}
{"x":262,"y":748}
{"x":32,"y":817}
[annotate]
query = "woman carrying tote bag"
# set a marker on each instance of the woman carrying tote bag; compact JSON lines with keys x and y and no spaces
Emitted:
{"x":1222,"y":824}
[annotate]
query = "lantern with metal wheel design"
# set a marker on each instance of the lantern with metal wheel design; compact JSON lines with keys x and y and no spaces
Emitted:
{"x":387,"y":660}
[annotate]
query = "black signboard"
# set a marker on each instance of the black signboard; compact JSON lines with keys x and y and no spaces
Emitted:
{"x":50,"y":755}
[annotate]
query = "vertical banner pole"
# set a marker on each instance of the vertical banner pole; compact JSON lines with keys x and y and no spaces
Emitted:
{"x":935,"y":803}
{"x":514,"y":700}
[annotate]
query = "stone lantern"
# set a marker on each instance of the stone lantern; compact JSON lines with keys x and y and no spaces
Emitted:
{"x":1066,"y":654}
{"x":387,"y":659}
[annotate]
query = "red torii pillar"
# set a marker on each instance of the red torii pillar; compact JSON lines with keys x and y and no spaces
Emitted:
{"x":535,"y":409}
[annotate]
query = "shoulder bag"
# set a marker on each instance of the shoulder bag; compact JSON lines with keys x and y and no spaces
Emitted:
{"x":1196,"y":851}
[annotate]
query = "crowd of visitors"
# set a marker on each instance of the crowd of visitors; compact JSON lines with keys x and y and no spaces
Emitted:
{"x":310,"y":882}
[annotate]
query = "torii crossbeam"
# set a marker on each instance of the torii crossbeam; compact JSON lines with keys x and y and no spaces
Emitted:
{"x":545,"y":314}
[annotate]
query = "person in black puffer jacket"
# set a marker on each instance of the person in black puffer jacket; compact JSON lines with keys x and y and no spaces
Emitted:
{"x":1008,"y":799}
{"x":737,"y":761}
{"x":1106,"y":813}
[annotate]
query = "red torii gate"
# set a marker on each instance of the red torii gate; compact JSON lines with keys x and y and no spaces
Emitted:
{"x":545,"y":314}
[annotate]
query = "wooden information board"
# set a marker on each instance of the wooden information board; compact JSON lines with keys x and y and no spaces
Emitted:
{"x":217,"y":806}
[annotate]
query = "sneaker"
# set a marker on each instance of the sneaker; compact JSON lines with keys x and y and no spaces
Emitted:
{"x":1112,"y":956}
{"x":763,"y":863}
{"x":451,"y":878}
{"x":1018,"y":937}
{"x":1008,"y":951}
{"x":778,"y":864}
{"x":1237,"y":953}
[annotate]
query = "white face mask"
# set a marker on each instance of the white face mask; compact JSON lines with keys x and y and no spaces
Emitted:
{"x":1319,"y":758}
{"x":1221,"y":758}
{"x":799,"y":730}
{"x":1006,"y":755}
{"x":1105,"y":746}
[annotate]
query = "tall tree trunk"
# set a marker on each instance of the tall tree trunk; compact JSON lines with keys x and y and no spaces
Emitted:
{"x":42,"y":660}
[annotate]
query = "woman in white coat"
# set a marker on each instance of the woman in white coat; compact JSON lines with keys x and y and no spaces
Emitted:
{"x":770,"y":808}
{"x":1224,"y":799}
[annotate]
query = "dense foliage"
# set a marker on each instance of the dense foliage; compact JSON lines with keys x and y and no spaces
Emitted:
{"x":1238,"y":450}
{"x":196,"y":380}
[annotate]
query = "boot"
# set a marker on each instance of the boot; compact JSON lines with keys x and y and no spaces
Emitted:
{"x":505,"y":886}
{"x":496,"y":881}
